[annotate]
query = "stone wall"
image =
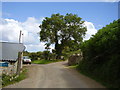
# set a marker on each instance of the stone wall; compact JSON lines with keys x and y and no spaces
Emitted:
{"x":74,"y":59}
{"x":10,"y":70}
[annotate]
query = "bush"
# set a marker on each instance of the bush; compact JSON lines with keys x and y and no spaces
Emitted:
{"x":101,"y":55}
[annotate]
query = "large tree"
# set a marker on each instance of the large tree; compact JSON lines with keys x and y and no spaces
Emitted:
{"x":62,"y":30}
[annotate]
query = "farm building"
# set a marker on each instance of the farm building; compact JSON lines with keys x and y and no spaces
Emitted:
{"x":9,"y":56}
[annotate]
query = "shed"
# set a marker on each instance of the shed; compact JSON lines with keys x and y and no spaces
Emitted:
{"x":9,"y":53}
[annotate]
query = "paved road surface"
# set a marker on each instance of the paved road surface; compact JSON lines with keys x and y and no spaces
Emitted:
{"x":55,"y":75}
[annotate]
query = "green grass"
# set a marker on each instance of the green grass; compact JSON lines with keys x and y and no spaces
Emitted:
{"x":73,"y":66}
{"x":108,"y":86}
{"x":6,"y":78}
{"x":88,"y":75}
{"x":93,"y":77}
{"x":45,"y":61}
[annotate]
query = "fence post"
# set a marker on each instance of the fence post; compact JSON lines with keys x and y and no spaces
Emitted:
{"x":19,"y":63}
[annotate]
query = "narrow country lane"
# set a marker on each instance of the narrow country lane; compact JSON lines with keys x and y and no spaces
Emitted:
{"x":55,"y":75}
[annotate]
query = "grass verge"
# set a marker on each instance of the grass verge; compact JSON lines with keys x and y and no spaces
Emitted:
{"x":7,"y":80}
{"x":105,"y":84}
{"x":108,"y":86}
{"x":76,"y":67}
{"x":45,"y":61}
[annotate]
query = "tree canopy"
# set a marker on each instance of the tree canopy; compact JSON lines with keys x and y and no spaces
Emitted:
{"x":62,"y":31}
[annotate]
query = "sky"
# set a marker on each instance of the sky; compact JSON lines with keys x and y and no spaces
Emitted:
{"x":27,"y":16}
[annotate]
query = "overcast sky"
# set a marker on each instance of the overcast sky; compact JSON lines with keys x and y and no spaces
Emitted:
{"x":27,"y":16}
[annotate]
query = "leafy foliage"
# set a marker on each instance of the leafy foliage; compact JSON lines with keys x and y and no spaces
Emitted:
{"x":46,"y":55}
{"x":62,"y":31}
{"x":102,"y":55}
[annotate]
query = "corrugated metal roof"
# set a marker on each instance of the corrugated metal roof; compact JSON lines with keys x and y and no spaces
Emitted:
{"x":9,"y":50}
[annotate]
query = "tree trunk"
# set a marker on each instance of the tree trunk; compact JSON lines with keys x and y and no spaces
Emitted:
{"x":58,"y":47}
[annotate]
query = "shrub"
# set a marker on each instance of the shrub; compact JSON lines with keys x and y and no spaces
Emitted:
{"x":102,"y":55}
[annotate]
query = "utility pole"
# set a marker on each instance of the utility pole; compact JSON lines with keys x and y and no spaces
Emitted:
{"x":19,"y":57}
{"x":20,"y":36}
{"x":22,"y":52}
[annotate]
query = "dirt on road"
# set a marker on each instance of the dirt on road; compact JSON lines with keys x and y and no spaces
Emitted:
{"x":55,"y":75}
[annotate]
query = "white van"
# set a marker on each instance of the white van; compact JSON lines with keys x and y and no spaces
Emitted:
{"x":26,"y":60}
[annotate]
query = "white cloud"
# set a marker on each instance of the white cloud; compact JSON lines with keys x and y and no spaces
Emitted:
{"x":36,"y":47}
{"x":90,"y":30}
{"x":10,"y":30}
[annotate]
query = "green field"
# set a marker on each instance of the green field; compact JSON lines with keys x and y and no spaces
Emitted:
{"x":45,"y":61}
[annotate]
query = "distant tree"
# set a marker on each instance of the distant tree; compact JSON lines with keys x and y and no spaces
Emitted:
{"x":39,"y":55}
{"x":36,"y":55}
{"x":61,"y":30}
{"x":26,"y":53}
{"x":46,"y":55}
{"x":33,"y":56}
